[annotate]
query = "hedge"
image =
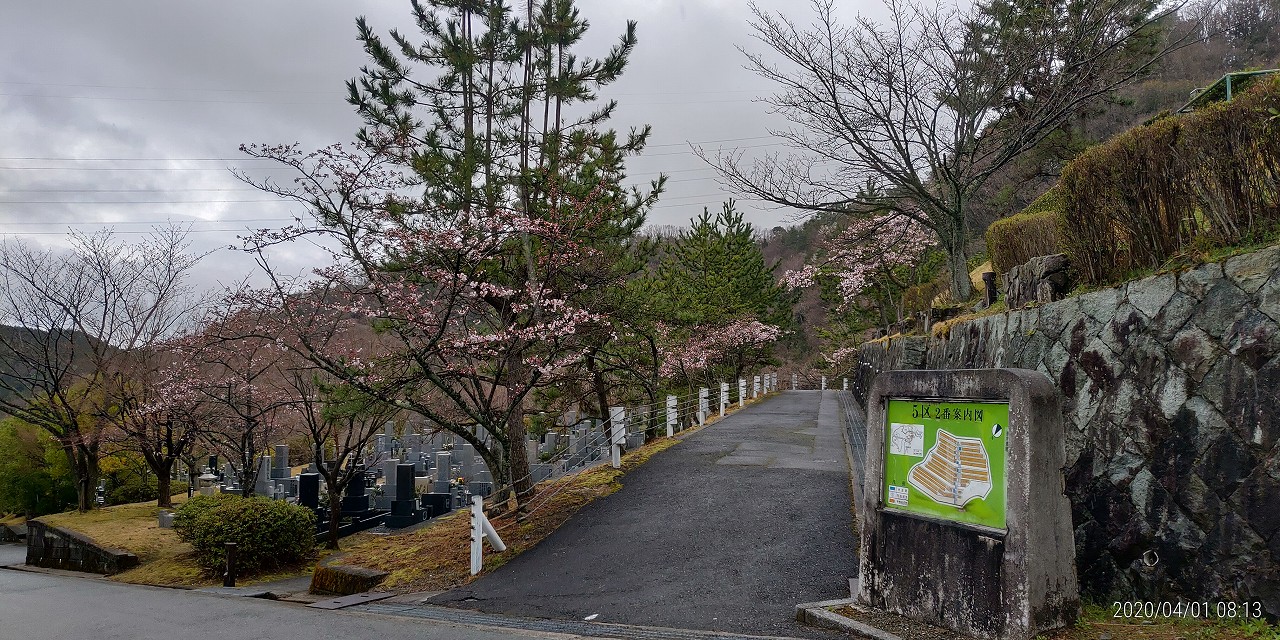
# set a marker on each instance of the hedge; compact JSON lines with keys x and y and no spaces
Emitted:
{"x":1032,"y":232}
{"x":269,"y":534}
{"x":1197,"y":181}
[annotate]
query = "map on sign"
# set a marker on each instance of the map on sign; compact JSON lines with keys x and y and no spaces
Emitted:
{"x":955,"y":471}
{"x":906,"y":439}
{"x":945,"y":459}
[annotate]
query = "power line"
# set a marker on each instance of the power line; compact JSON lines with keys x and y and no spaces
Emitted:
{"x":98,"y":202}
{"x":151,"y":190}
{"x":319,"y":92}
{"x":120,"y":232}
{"x":246,"y":157}
{"x":111,"y":222}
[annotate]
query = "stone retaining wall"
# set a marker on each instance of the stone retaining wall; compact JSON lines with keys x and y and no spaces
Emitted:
{"x":13,"y":533}
{"x":58,"y":548}
{"x":1171,"y":402}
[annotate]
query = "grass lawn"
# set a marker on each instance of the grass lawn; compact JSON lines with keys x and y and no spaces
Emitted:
{"x":163,"y":559}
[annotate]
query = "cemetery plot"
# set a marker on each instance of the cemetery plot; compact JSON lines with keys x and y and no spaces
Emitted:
{"x":955,"y":471}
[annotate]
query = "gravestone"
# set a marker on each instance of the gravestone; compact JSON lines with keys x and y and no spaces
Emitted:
{"x":466,"y":460}
{"x":309,"y":490}
{"x":356,"y":499}
{"x":963,"y":518}
{"x":443,"y":471}
{"x":482,"y":489}
{"x":436,"y":504}
{"x":264,"y":486}
{"x":404,"y":508}
{"x":281,"y":467}
{"x":635,"y":440}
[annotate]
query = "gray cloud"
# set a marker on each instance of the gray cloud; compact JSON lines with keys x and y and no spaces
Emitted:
{"x":177,"y":86}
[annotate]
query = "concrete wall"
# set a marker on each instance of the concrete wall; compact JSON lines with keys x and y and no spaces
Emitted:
{"x":1171,"y":404}
{"x":58,"y":548}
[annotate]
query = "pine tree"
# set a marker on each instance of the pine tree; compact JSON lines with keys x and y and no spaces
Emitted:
{"x":715,"y":272}
{"x":714,"y":278}
{"x":493,"y":110}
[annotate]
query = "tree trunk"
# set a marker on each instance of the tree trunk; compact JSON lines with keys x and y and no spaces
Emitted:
{"x":335,"y":513}
{"x":598,"y":385}
{"x":164,"y":483}
{"x":961,"y":287}
{"x":84,"y":463}
{"x":517,"y":458}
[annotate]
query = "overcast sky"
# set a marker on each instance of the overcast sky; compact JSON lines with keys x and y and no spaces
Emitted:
{"x":130,"y":112}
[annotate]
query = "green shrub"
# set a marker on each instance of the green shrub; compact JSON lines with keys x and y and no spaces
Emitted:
{"x":1032,"y":232}
{"x":268,"y":533}
{"x":1178,"y":184}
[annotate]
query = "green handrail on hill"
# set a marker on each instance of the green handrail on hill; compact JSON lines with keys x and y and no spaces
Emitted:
{"x":1223,"y":89}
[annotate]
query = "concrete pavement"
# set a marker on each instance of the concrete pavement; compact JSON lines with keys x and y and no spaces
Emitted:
{"x":38,"y":606}
{"x":726,"y":531}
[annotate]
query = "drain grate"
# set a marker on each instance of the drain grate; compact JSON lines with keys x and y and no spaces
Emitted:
{"x":574,"y":627}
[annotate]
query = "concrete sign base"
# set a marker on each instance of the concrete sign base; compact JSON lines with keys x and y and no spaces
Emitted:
{"x":964,"y":521}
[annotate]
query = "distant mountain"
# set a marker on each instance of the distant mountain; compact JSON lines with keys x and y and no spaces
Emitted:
{"x":15,"y":370}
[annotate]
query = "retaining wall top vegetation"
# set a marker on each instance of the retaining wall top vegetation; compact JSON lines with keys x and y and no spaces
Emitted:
{"x":1171,"y":404}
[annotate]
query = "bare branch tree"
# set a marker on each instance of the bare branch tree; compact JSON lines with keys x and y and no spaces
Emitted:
{"x":75,"y":319}
{"x":915,"y":115}
{"x":340,"y":419}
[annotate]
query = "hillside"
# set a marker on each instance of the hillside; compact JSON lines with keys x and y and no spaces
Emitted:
{"x":16,"y":374}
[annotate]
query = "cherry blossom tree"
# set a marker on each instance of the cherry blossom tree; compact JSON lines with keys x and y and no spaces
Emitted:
{"x":341,"y":420}
{"x":72,"y":323}
{"x":876,"y":255}
{"x":471,"y":309}
{"x":160,"y":409}
{"x":242,"y":377}
{"x":708,"y":350}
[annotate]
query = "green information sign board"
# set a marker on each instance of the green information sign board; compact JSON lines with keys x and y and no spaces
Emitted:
{"x":946,"y":459}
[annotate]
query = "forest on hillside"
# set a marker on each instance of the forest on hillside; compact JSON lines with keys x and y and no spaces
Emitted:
{"x":1233,"y":36}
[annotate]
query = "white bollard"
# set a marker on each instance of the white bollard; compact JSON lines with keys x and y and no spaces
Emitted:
{"x":824,"y":383}
{"x":724,"y":397}
{"x":481,"y":530}
{"x":742,"y":392}
{"x":671,"y":415}
{"x":795,"y":382}
{"x":704,"y":405}
{"x":755,"y":388}
{"x":617,"y":434}
{"x":846,"y":384}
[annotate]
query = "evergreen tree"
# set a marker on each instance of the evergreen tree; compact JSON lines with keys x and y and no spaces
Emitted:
{"x":715,"y":272}
{"x":721,"y":298}
{"x":492,"y":118}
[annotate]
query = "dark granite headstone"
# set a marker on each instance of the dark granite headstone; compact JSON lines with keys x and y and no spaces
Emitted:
{"x":309,"y":490}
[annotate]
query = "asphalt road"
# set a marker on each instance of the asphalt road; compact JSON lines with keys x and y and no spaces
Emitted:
{"x":727,"y":531}
{"x":35,"y":606}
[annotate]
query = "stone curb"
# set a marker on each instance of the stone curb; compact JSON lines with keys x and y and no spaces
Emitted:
{"x":816,"y":614}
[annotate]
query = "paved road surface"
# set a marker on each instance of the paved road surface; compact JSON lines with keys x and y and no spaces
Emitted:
{"x":36,"y":606}
{"x":726,"y":531}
